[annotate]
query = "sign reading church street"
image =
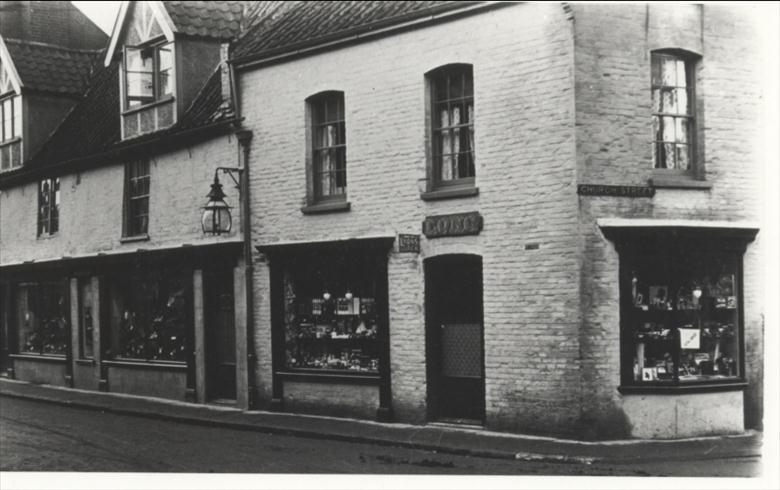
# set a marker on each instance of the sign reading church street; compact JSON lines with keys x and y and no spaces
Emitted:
{"x":453,"y":225}
{"x":615,"y":190}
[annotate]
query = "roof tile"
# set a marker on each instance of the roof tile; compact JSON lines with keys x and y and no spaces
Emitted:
{"x":50,"y":68}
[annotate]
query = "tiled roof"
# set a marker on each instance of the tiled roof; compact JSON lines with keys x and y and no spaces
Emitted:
{"x":51,"y":68}
{"x":208,"y":107}
{"x":221,"y":20}
{"x":309,"y":22}
{"x":93,"y":126}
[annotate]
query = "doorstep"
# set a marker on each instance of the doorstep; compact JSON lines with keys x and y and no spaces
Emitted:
{"x":444,"y":438}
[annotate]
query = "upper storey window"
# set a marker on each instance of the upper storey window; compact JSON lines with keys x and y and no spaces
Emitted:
{"x":10,"y":123}
{"x":329,"y":146}
{"x":674,"y":114}
{"x":148,"y":74}
{"x":453,"y":125}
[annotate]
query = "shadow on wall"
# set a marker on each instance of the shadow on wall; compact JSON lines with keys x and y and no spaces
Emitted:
{"x":605,"y":422}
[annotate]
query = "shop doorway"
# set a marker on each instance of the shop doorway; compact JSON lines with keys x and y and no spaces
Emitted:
{"x":220,"y":335}
{"x":454,"y":339}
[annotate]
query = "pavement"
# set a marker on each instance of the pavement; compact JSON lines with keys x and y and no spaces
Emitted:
{"x":432,"y":437}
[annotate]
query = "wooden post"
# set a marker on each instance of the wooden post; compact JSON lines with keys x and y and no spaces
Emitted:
{"x":73,"y":352}
{"x":97,"y":326}
{"x":242,"y":349}
{"x":200,"y":339}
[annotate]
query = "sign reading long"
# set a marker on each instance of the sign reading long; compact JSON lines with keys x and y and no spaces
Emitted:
{"x":452,"y":225}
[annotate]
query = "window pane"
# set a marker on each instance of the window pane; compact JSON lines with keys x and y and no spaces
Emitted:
{"x":668,"y":129}
{"x":138,"y":62}
{"x":683,"y":162}
{"x":7,"y":119}
{"x":669,"y":153}
{"x":682,"y":102}
{"x":668,"y":71}
{"x":166,"y":56}
{"x":166,"y":87}
{"x":140,"y":85}
{"x":681,"y":131}
{"x":668,"y":101}
{"x":17,"y":117}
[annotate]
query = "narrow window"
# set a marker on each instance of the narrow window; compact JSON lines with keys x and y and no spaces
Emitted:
{"x":452,"y":125}
{"x":137,"y":198}
{"x":329,"y":160}
{"x":86,"y":320}
{"x":673,"y":112}
{"x":48,"y":206}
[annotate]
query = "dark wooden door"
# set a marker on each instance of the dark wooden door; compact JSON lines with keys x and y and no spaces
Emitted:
{"x":220,"y":335}
{"x":454,"y":338}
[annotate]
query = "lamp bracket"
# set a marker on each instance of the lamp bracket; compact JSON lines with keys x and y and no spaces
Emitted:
{"x":231,"y":171}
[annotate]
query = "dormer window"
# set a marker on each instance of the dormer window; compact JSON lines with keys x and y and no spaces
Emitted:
{"x":148,"y":74}
{"x":10,"y":131}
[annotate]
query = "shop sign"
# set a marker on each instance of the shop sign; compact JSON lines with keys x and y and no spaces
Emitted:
{"x":453,"y":225}
{"x":408,"y":243}
{"x":615,"y":190}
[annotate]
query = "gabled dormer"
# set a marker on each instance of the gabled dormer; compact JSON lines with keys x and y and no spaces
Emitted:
{"x":10,"y":112}
{"x":167,"y":51}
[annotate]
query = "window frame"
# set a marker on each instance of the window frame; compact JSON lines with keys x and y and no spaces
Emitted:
{"x":675,"y":244}
{"x":133,"y":175}
{"x":156,"y":46}
{"x":50,"y":223}
{"x":695,"y":170}
{"x":438,"y":187}
{"x":316,"y":200}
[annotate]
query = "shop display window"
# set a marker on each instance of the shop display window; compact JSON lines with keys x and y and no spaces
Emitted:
{"x":43,"y":312}
{"x":681,"y":321}
{"x":330,"y":316}
{"x":149,"y":315}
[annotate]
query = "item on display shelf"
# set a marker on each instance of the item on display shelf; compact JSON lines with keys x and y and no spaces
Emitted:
{"x":649,"y":374}
{"x":316,"y":306}
{"x":367,"y":306}
{"x":347,"y":306}
{"x":659,"y":297}
{"x":690,"y":338}
{"x":731,"y":302}
{"x":639,"y":301}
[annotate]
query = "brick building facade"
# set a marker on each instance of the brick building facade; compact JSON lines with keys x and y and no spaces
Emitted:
{"x":569,"y":271}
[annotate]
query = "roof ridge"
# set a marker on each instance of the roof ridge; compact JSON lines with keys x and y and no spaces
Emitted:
{"x":49,"y":45}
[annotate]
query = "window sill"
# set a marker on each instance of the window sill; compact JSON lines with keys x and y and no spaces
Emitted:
{"x":140,"y":363}
{"x":326,"y":207}
{"x":683,"y":388}
{"x":678,"y":182}
{"x":149,"y":105}
{"x":329,"y":376}
{"x":449,"y":193}
{"x":136,"y":238}
{"x":39,"y":357}
{"x":11,"y":141}
{"x":85,"y":362}
{"x":47,"y":236}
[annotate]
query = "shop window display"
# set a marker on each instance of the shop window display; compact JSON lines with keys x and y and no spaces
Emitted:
{"x":43,"y":312}
{"x":331,"y":319}
{"x":681,"y":320}
{"x":149,"y":316}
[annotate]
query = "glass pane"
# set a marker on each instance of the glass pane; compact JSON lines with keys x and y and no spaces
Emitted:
{"x":683,"y":162}
{"x":668,"y":101}
{"x":456,"y":86}
{"x":443,"y":118}
{"x":656,"y":70}
{"x":682,"y":102}
{"x":166,"y":87}
{"x":140,"y":85}
{"x":668,"y":129}
{"x":440,"y":88}
{"x":682,"y":79}
{"x":669,"y":152}
{"x":668,"y":71}
{"x":681,"y":130}
{"x":166,"y":56}
{"x":7,"y":119}
{"x":468,"y":90}
{"x":135,"y":61}
{"x":17,"y":117}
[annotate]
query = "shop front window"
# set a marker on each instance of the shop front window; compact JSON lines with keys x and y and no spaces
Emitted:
{"x":43,"y":312}
{"x":149,"y":315}
{"x":331,"y":319}
{"x":681,"y":321}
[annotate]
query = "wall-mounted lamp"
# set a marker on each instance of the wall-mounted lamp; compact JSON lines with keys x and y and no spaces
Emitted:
{"x":216,"y":218}
{"x":326,"y":295}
